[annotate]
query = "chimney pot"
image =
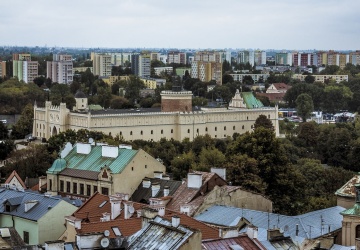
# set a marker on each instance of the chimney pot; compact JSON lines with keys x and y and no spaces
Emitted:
{"x":175,"y":221}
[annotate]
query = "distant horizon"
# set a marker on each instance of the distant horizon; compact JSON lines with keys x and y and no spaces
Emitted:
{"x":278,"y":24}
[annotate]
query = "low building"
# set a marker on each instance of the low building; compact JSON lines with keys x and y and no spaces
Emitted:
{"x":323,"y":78}
{"x":163,"y":234}
{"x":153,"y":83}
{"x":15,"y":181}
{"x":278,"y":88}
{"x":36,"y":217}
{"x":85,"y":168}
{"x":166,"y":70}
{"x":257,"y":78}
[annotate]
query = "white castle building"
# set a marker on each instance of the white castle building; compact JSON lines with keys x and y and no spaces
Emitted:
{"x":176,"y":119}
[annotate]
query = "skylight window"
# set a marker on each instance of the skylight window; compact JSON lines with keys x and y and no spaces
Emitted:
{"x":102,"y":204}
{"x":116,"y":231}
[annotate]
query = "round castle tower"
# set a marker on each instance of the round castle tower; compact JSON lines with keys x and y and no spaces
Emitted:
{"x":172,"y":101}
{"x":81,"y":101}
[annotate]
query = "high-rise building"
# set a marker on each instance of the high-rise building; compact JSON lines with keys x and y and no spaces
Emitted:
{"x":259,"y":57}
{"x":176,"y":57}
{"x":207,"y":66}
{"x":23,"y":68}
{"x":2,"y":69}
{"x":302,"y":59}
{"x":101,"y":64}
{"x":354,"y":57}
{"x":283,"y":58}
{"x":60,"y":70}
{"x":140,"y":64}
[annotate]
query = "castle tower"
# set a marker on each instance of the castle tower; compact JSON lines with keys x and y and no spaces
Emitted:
{"x":172,"y":101}
{"x":81,"y":101}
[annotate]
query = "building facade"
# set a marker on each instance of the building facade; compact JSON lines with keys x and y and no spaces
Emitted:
{"x":177,"y":123}
{"x":101,"y":64}
{"x":2,"y":69}
{"x":323,"y":78}
{"x":141,"y":64}
{"x":60,"y":70}
{"x":176,"y":57}
{"x":23,"y":68}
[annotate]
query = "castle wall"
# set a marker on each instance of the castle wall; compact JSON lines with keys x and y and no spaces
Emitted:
{"x":152,"y":126}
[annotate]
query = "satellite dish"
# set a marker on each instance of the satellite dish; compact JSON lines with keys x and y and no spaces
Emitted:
{"x":131,"y":210}
{"x":91,"y":140}
{"x":104,"y":242}
{"x":107,"y":233}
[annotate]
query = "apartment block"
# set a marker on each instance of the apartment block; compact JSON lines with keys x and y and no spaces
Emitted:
{"x":207,"y":71}
{"x":60,"y":70}
{"x":140,"y":64}
{"x":323,"y":78}
{"x":159,"y":70}
{"x":283,"y":58}
{"x":23,"y":68}
{"x":2,"y":69}
{"x":210,"y":56}
{"x":302,"y":59}
{"x":176,"y":57}
{"x":259,"y":57}
{"x":101,"y":64}
{"x":256,"y":77}
{"x":354,"y":57}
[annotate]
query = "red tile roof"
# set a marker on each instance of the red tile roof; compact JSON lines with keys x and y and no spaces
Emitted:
{"x":244,"y":241}
{"x":14,"y":174}
{"x":272,"y":96}
{"x":192,"y":196}
{"x":281,"y":85}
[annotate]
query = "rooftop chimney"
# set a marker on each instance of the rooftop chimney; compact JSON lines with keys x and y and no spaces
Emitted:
{"x":175,"y":221}
{"x":128,"y":209}
{"x":155,"y":188}
{"x":220,"y":172}
{"x":252,"y":232}
{"x":115,"y":206}
{"x":106,"y":217}
{"x":166,"y":191}
{"x":194,"y":180}
{"x":83,"y":148}
{"x":166,"y":177}
{"x":158,"y":174}
{"x":109,"y":151}
{"x":146,"y":183}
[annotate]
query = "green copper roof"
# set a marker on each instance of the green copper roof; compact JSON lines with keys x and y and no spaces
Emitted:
{"x":58,"y":166}
{"x":251,"y":101}
{"x":94,"y":160}
{"x":355,"y":210}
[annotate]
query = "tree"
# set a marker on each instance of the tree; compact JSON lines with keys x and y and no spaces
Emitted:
{"x":263,"y":121}
{"x":181,"y":164}
{"x":227,"y":78}
{"x":24,"y":125}
{"x":6,"y":147}
{"x":316,"y":93}
{"x":336,"y":98}
{"x":133,"y":87}
{"x":119,"y":103}
{"x":209,"y":158}
{"x":4,"y":132}
{"x":309,"y":79}
{"x":304,"y":106}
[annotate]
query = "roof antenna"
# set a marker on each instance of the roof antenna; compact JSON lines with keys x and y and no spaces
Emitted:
{"x":268,"y":219}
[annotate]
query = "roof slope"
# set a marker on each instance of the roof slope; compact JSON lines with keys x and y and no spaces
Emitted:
{"x":94,"y":161}
{"x":348,"y":190}
{"x":142,"y":194}
{"x":160,"y":234}
{"x":18,"y":198}
{"x":320,"y":220}
{"x":15,"y":175}
{"x":243,"y":241}
{"x":251,"y":101}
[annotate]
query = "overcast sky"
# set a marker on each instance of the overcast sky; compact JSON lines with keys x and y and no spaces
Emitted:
{"x":263,"y":24}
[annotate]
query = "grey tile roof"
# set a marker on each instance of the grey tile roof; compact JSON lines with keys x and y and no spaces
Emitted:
{"x":142,"y":194}
{"x":35,"y":213}
{"x":318,"y":222}
{"x":159,"y":234}
{"x":83,"y":174}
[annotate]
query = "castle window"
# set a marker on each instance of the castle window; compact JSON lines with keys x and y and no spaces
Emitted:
{"x":197,"y":130}
{"x":82,"y":189}
{"x":188,"y":131}
{"x":88,"y":190}
{"x":141,"y":132}
{"x":269,"y":116}
{"x":233,"y":127}
{"x":162,"y":131}
{"x":120,"y":133}
{"x":74,"y":188}
{"x":145,"y":166}
{"x":243,"y":127}
{"x":152,"y":131}
{"x":215,"y":128}
{"x":224,"y":127}
{"x":130,"y":132}
{"x":247,"y":118}
{"x":172,"y":130}
{"x":68,"y":186}
{"x":61,"y":186}
{"x":206,"y":129}
{"x":104,"y":191}
{"x":132,"y":168}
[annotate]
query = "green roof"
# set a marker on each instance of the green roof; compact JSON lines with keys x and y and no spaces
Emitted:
{"x":95,"y":107}
{"x":58,"y":166}
{"x":94,"y":161}
{"x":251,"y":101}
{"x":355,"y":210}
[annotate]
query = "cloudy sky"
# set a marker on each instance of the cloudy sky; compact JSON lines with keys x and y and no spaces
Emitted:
{"x":264,"y":24}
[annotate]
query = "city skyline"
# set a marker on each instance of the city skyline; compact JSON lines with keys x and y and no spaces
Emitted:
{"x":299,"y":25}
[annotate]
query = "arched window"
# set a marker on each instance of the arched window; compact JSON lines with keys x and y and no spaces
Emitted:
{"x":357,"y":231}
{"x":188,"y":131}
{"x":206,"y":129}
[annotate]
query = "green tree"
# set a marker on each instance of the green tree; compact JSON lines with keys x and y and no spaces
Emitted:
{"x":316,"y":93}
{"x":6,"y":147}
{"x":119,"y":103}
{"x":209,"y":158}
{"x":304,"y":106}
{"x":336,"y":98}
{"x":133,"y":87}
{"x":4,"y":132}
{"x":24,"y":125}
{"x":309,"y":79}
{"x":263,"y":121}
{"x":180,"y":165}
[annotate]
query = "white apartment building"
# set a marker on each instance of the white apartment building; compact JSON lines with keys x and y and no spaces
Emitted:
{"x":255,"y":77}
{"x":60,"y":70}
{"x":159,"y":70}
{"x":323,"y":78}
{"x":102,"y":64}
{"x":30,"y":71}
